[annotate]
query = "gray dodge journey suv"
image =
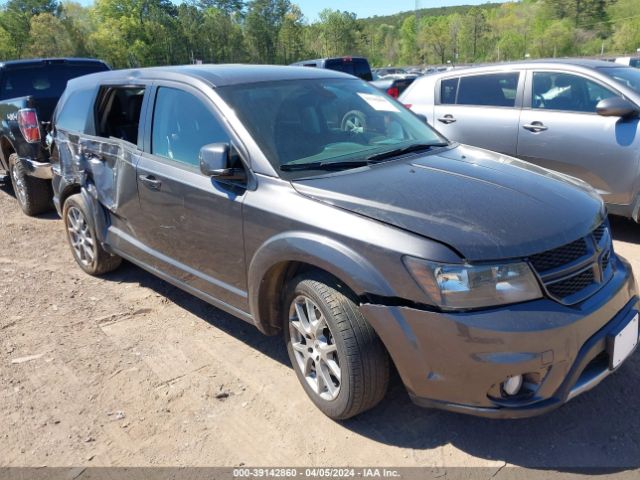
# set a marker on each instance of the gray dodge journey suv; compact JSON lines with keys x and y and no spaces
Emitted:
{"x":489,"y":283}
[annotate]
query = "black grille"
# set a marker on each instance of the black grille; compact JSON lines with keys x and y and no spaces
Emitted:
{"x":598,"y":233}
{"x":572,"y":285}
{"x":573,"y":268}
{"x":560,"y":256}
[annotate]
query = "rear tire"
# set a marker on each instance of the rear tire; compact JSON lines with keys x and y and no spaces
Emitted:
{"x":81,"y":235}
{"x":337,"y":356}
{"x":34,"y":195}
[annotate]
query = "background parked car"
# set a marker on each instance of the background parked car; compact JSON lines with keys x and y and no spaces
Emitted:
{"x":384,"y":71}
{"x":29,"y":92}
{"x":629,"y":61}
{"x":394,"y":86}
{"x":357,"y":66}
{"x":579,"y":117}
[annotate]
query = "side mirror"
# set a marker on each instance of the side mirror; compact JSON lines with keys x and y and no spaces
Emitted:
{"x":214,"y":163}
{"x":616,"y":107}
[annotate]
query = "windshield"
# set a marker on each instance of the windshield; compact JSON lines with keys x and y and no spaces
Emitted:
{"x":321,"y":121}
{"x":42,"y":80}
{"x":629,"y":77}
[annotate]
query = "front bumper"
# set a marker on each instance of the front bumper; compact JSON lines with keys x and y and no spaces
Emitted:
{"x":36,"y":169}
{"x":457,"y":361}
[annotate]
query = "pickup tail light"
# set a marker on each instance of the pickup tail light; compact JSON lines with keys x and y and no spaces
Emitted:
{"x":393,"y":91}
{"x":29,"y":125}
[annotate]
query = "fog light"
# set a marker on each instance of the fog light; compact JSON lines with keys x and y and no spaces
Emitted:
{"x":512,"y":385}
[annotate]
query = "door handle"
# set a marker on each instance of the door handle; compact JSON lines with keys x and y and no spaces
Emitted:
{"x":447,"y":119}
{"x":150,"y":181}
{"x":535,"y":127}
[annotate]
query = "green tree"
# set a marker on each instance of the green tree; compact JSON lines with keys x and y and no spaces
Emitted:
{"x":408,"y":32}
{"x":626,"y":24}
{"x":434,"y":39}
{"x":229,"y":7}
{"x":291,"y":36}
{"x":223,"y":39}
{"x":473,"y":33}
{"x":262,"y":28}
{"x":76,"y":20}
{"x":49,"y":38}
{"x":558,"y":39}
{"x":582,"y":13}
{"x":16,"y":20}
{"x":339,"y":32}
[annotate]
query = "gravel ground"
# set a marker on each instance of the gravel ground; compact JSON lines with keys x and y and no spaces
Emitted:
{"x":129,"y":371}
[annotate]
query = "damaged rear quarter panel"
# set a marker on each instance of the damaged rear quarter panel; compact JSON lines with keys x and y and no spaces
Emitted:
{"x":107,"y":164}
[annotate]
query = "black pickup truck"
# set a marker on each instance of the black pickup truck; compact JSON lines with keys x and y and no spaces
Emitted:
{"x":29,"y":92}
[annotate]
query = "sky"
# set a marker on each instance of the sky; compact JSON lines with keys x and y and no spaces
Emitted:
{"x":369,"y":8}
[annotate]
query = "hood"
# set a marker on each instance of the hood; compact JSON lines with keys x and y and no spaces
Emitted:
{"x":485,"y":205}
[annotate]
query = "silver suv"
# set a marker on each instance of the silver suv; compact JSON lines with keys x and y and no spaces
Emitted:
{"x":579,"y":117}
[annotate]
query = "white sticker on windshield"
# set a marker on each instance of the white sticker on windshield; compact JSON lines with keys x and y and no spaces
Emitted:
{"x":378,"y":102}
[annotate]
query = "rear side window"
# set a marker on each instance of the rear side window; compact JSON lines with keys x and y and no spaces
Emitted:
{"x":340,"y":66}
{"x":119,"y":113}
{"x":182,"y":125}
{"x":492,"y":90}
{"x":357,"y":66}
{"x":76,"y":111}
{"x":43,"y":81}
{"x":449,"y":90}
{"x":362,"y":70}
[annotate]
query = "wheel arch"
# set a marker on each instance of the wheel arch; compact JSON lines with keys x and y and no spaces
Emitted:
{"x":288,"y":255}
{"x":67,"y":191}
{"x":6,"y":149}
{"x":96,"y":210}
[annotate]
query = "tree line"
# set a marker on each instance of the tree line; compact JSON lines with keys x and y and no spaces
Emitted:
{"x":137,"y":33}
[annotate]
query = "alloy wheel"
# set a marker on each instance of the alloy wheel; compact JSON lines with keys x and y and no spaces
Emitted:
{"x":315,"y":350}
{"x":80,"y":236}
{"x":19,"y":186}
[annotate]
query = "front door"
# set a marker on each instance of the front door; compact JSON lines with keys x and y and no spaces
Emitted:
{"x":192,"y":226}
{"x":560,"y":130}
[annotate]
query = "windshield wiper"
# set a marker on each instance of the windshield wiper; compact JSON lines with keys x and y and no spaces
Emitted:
{"x":294,"y":167}
{"x":415,"y":147}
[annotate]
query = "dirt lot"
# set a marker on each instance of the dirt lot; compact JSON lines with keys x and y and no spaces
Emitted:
{"x":128,"y":370}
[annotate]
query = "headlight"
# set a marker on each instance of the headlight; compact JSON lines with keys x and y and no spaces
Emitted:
{"x":474,"y":286}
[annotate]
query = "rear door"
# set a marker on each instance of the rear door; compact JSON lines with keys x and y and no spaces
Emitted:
{"x":191,"y":225}
{"x":560,"y":130}
{"x":480,"y":109}
{"x":109,"y":148}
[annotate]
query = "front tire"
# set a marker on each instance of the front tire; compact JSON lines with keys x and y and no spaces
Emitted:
{"x":33,"y":194}
{"x":81,"y":234}
{"x":337,"y":356}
